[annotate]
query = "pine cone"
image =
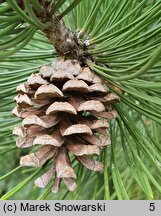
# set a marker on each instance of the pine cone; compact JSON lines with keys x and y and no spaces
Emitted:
{"x":65,"y":108}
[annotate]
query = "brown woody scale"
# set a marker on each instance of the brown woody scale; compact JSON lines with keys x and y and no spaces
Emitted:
{"x":65,"y":108}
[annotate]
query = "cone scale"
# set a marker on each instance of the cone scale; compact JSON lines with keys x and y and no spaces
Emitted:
{"x":64,"y":108}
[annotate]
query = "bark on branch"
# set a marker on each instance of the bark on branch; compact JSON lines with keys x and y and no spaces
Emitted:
{"x":64,"y":40}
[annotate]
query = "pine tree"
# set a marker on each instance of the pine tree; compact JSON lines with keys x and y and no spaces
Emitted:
{"x":83,"y":75}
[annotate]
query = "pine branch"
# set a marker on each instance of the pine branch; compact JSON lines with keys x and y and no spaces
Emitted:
{"x":50,"y":21}
{"x":63,"y":39}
